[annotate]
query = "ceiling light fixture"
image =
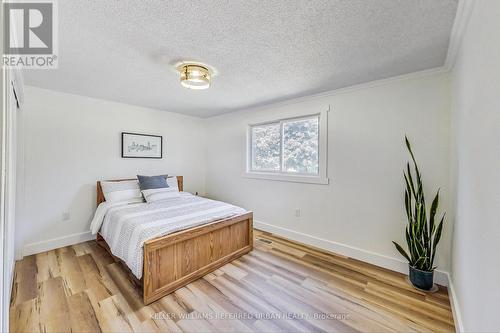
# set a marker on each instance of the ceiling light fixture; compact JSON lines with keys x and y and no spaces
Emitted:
{"x":194,"y":76}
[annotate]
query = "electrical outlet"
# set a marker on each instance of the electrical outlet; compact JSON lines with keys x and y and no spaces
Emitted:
{"x":66,"y":216}
{"x":297,"y":212}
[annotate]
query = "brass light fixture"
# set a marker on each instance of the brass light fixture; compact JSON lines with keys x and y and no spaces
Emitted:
{"x":194,"y":76}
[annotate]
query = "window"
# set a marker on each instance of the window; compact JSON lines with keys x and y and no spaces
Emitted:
{"x":288,"y":149}
{"x":266,"y":147}
{"x":300,"y":146}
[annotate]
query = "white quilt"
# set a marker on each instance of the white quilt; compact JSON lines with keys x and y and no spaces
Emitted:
{"x":126,"y":227}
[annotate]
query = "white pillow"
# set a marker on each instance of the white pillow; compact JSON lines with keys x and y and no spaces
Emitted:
{"x":124,"y":191}
{"x":157,"y":194}
{"x":172,"y":182}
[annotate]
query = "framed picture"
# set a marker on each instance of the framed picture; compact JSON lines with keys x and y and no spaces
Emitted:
{"x":136,"y":145}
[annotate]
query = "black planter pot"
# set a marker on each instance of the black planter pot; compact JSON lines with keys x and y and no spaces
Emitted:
{"x":421,"y":279}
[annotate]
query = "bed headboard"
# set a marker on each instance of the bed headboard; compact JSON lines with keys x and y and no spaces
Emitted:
{"x":100,"y":195}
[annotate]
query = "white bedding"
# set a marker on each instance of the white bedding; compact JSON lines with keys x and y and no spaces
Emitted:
{"x":126,"y":227}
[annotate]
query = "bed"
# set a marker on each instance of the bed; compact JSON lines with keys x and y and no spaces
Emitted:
{"x":171,"y":261}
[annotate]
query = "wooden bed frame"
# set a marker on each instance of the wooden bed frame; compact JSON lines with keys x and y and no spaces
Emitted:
{"x":175,"y":260}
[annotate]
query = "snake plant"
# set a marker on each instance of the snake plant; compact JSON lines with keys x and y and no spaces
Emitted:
{"x":422,"y":234}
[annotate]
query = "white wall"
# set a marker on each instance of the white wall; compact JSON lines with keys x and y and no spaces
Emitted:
{"x":71,"y":141}
{"x":476,"y":140}
{"x":363,"y":206}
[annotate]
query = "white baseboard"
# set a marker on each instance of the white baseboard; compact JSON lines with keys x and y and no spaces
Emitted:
{"x":455,"y":307}
{"x":394,"y":264}
{"x":18,"y":254}
{"x":55,"y":243}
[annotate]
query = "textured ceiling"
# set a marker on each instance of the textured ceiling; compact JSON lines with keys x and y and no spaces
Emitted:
{"x":264,"y":51}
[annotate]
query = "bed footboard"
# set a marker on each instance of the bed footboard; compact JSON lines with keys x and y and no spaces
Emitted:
{"x":172,"y":261}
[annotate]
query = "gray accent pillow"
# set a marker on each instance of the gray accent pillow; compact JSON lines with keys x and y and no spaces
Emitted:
{"x":152,"y":182}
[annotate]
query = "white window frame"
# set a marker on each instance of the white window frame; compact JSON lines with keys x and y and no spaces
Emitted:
{"x":319,"y":178}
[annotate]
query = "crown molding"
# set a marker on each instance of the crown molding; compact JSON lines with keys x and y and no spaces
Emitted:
{"x":464,"y":11}
{"x":330,"y":93}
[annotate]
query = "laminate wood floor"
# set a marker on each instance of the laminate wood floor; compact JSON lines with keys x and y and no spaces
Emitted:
{"x":281,"y":286}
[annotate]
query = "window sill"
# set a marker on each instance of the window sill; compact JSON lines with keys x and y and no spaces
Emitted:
{"x":287,"y":178}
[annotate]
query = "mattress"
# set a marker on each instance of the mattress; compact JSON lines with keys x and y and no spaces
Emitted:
{"x":125,"y":227}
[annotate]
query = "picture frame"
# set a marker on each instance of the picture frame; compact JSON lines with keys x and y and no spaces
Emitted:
{"x":137,"y":145}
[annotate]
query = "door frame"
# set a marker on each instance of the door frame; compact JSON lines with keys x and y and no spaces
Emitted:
{"x":8,"y":142}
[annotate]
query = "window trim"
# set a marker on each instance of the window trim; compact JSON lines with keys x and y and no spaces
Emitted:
{"x":319,"y":178}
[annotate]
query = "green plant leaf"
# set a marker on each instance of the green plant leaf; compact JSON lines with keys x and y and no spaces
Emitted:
{"x":407,"y":205}
{"x":413,"y":238}
{"x":420,"y":263}
{"x":402,"y":251}
{"x":409,"y":243}
{"x":432,"y":214}
{"x":408,"y":146}
{"x":437,"y":237}
{"x":409,"y":180}
{"x":408,"y":239}
{"x":418,"y":218}
{"x":419,"y":248}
